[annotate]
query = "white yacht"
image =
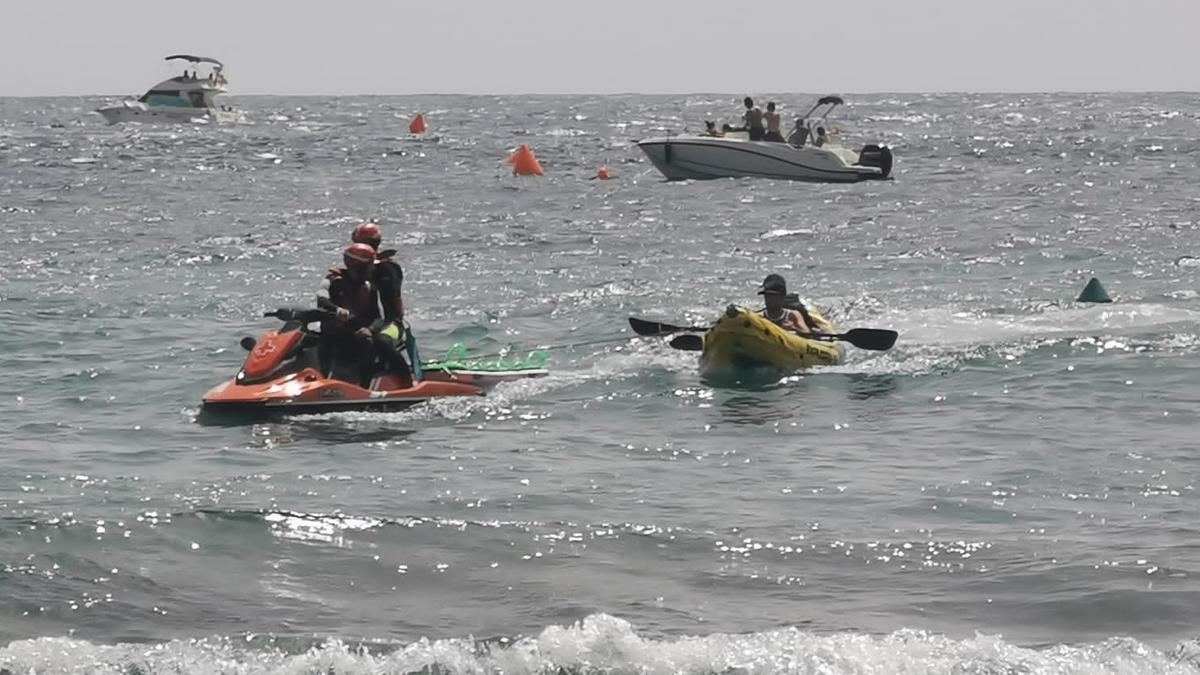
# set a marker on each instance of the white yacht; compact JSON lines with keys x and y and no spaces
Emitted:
{"x":733,"y":155}
{"x":190,"y":97}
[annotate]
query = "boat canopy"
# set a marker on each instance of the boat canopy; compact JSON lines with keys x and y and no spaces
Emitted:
{"x":831,"y":101}
{"x":195,"y":59}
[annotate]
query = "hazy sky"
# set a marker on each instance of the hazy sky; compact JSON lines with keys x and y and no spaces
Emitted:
{"x":57,"y":47}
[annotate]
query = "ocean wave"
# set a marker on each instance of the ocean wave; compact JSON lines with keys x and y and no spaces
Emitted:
{"x":602,"y":644}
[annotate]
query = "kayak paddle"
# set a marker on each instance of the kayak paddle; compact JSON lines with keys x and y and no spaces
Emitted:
{"x":643,"y":327}
{"x":875,"y":339}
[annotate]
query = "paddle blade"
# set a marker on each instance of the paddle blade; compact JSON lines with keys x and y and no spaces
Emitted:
{"x":877,"y":339}
{"x":644,"y":327}
{"x":688,"y":343}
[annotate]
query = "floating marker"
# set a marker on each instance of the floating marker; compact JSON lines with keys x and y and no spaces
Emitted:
{"x":417,"y":125}
{"x":524,"y":163}
{"x":1094,"y":292}
{"x":602,"y":174}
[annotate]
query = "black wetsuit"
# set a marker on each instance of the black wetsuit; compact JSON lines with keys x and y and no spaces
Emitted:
{"x":338,"y":339}
{"x":389,"y":278}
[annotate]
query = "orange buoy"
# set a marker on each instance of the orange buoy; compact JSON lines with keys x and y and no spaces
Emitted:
{"x":602,"y":174}
{"x":524,"y":163}
{"x":417,"y":125}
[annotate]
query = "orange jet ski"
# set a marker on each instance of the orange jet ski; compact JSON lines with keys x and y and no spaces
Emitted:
{"x":281,"y":376}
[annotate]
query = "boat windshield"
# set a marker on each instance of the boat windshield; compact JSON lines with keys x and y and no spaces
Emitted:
{"x":174,"y":99}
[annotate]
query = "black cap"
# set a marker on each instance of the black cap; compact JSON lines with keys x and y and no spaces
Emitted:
{"x":773,"y":285}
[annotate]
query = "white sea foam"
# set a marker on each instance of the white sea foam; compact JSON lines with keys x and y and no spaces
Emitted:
{"x":602,"y":644}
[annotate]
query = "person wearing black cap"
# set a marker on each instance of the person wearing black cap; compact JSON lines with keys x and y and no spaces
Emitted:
{"x":774,"y":292}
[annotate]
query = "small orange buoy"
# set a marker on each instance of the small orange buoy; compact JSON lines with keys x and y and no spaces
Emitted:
{"x":417,"y":125}
{"x":524,"y":163}
{"x":602,"y":174}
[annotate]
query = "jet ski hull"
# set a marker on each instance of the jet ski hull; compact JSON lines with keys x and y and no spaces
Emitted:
{"x":484,"y":379}
{"x":308,"y":392}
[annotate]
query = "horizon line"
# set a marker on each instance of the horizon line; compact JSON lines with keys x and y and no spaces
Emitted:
{"x":1015,"y":92}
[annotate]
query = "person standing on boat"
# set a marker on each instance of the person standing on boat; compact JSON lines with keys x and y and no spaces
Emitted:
{"x":773,"y":119}
{"x":753,"y":120}
{"x":821,"y":138}
{"x":389,"y":333}
{"x":775,"y":297}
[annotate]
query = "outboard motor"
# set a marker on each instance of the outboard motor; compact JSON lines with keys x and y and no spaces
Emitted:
{"x":877,"y":155}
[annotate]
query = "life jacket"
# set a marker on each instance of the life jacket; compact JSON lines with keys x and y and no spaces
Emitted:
{"x":360,"y":298}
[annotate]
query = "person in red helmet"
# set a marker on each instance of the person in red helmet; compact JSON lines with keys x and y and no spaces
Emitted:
{"x":390,"y":333}
{"x":351,"y":298}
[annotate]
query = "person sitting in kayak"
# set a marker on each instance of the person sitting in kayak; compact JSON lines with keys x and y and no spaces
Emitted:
{"x":775,"y":297}
{"x":389,"y":332}
{"x":349,"y":295}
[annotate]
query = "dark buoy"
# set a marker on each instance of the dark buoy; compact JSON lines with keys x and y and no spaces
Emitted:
{"x":1094,"y":292}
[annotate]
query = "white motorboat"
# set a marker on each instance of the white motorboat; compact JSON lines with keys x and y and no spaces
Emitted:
{"x":190,"y":97}
{"x":733,"y":155}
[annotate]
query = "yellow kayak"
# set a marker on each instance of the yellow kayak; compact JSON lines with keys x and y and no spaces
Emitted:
{"x":743,"y":340}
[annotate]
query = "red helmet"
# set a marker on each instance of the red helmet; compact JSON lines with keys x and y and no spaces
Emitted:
{"x":367,"y":233}
{"x":358,"y":256}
